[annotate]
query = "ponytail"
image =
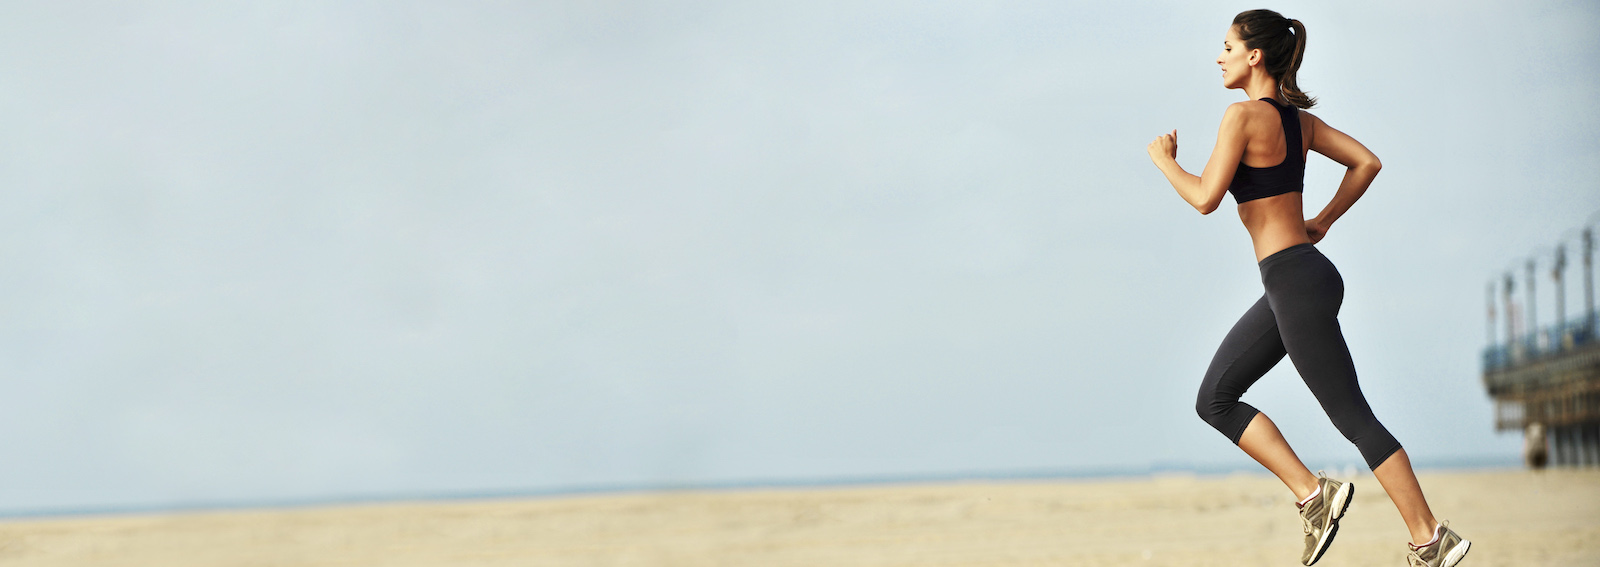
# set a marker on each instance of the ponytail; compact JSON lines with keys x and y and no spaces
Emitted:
{"x":1282,"y":42}
{"x":1291,"y":89}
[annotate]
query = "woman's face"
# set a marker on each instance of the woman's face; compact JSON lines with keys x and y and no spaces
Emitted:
{"x":1234,"y":60}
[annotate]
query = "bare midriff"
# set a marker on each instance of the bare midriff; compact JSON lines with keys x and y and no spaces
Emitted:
{"x":1274,"y":223}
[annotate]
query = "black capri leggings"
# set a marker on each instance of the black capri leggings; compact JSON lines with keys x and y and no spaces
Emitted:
{"x":1297,"y":316}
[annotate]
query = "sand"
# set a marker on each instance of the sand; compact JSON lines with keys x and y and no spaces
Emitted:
{"x":1515,"y":518}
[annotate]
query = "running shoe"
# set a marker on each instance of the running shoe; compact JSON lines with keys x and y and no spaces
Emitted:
{"x":1321,"y":515}
{"x":1446,"y":550}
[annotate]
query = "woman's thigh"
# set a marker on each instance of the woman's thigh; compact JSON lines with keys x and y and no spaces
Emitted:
{"x":1252,"y":347}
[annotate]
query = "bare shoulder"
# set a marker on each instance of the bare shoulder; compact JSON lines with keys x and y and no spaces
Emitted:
{"x":1309,"y":123}
{"x":1251,"y":109}
{"x":1241,"y":114}
{"x":1252,"y":113}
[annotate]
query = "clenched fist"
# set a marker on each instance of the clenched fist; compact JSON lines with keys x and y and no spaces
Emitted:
{"x":1165,"y":146}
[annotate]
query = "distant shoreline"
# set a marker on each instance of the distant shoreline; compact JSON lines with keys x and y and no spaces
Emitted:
{"x":1081,"y":474}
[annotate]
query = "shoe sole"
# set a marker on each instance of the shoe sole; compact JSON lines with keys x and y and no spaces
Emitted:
{"x":1455,"y":555}
{"x":1341,"y":502}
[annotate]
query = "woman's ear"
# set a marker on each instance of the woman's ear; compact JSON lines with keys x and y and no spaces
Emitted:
{"x":1254,"y":58}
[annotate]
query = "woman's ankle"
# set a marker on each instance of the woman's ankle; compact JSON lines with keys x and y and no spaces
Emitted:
{"x":1426,"y":537}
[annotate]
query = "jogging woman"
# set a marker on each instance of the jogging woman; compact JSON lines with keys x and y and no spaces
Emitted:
{"x":1260,"y":159}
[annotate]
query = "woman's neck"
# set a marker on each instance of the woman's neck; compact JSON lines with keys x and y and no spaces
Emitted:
{"x":1264,"y":87}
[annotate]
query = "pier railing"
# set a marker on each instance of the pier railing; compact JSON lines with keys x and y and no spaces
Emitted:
{"x":1554,"y":340}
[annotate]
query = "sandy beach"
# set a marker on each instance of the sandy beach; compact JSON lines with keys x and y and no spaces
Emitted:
{"x":1515,"y":518}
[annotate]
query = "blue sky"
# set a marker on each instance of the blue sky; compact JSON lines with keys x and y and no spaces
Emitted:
{"x":331,"y":250}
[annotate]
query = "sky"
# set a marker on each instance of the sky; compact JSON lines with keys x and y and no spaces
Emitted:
{"x":310,"y":251}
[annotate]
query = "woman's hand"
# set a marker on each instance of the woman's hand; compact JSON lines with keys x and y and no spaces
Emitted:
{"x":1315,"y":230}
{"x":1165,"y":146}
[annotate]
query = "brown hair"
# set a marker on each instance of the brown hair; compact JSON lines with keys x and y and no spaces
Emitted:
{"x":1283,"y":42}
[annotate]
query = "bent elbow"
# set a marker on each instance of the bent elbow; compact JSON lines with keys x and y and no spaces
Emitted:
{"x":1374,"y":165}
{"x":1206,"y":208}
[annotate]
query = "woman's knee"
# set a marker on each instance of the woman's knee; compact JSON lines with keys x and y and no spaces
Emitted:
{"x":1211,"y":407}
{"x":1364,"y":431}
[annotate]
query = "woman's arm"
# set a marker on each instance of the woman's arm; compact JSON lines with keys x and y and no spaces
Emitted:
{"x":1204,"y":192}
{"x":1361,"y":166}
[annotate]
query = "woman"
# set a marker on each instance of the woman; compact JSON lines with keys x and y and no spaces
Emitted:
{"x":1260,"y":158}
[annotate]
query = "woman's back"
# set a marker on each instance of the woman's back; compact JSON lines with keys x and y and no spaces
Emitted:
{"x":1269,"y":179}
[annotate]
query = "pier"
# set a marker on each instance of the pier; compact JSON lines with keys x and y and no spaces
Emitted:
{"x":1545,"y":380}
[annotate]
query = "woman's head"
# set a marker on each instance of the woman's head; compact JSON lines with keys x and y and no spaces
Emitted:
{"x":1281,"y":43}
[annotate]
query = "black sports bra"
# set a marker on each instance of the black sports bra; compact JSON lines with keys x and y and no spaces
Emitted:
{"x":1251,"y":183}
